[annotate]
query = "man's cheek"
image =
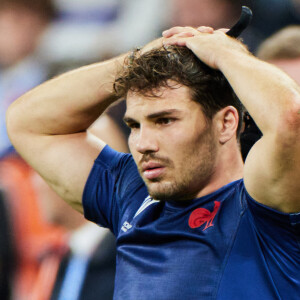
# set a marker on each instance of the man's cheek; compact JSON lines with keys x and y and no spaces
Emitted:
{"x":131,"y":143}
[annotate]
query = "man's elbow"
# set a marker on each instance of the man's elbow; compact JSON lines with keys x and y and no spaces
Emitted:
{"x":12,"y":123}
{"x":288,"y":129}
{"x":292,"y":117}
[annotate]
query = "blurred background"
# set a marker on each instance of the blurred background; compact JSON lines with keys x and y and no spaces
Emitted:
{"x":47,"y":250}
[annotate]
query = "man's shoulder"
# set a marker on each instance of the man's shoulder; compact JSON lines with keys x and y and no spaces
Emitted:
{"x":110,"y":158}
{"x":121,"y":166}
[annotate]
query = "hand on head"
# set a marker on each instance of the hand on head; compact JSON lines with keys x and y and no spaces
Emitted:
{"x":208,"y":44}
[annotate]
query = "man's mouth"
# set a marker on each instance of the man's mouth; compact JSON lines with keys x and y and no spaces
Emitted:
{"x":152,"y":170}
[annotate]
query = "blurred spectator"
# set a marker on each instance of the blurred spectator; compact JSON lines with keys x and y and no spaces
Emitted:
{"x":36,"y":244}
{"x":283,"y":50}
{"x":87,"y":270}
{"x":22,"y":23}
{"x":39,"y":247}
{"x":214,"y":13}
{"x":87,"y":30}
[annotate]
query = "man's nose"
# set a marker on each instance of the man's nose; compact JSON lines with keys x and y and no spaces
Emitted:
{"x":146,"y":141}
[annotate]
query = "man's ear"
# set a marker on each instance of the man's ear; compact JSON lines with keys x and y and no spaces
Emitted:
{"x":227,"y":120}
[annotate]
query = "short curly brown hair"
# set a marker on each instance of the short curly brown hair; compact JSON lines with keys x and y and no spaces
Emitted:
{"x":145,"y":73}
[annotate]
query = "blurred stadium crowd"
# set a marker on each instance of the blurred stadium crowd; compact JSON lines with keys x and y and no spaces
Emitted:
{"x":47,"y":250}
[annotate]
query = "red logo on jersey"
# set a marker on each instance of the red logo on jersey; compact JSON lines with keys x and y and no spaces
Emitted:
{"x":201,"y":215}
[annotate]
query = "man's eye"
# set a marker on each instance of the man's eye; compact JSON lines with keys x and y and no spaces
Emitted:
{"x":133,"y":125}
{"x":164,"y":121}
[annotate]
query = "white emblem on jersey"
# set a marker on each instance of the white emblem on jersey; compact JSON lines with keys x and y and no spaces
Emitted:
{"x":148,"y":201}
{"x":126,"y":226}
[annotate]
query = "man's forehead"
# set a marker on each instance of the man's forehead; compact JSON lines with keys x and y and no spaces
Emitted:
{"x":159,"y":96}
{"x":169,"y":102}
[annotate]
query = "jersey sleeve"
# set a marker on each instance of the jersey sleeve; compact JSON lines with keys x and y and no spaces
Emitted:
{"x":278,"y":222}
{"x":279,"y":236}
{"x":113,"y":181}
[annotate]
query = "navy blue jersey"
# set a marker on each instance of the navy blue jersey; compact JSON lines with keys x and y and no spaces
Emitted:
{"x":224,"y":245}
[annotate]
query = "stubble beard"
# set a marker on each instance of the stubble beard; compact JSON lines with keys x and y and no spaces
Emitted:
{"x":193,"y":176}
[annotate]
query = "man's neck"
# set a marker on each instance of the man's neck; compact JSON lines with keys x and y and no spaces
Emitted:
{"x":229,"y":167}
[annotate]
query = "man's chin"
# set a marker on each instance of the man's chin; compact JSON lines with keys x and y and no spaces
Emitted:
{"x":162,"y":191}
{"x":156,"y":189}
{"x":169,"y":191}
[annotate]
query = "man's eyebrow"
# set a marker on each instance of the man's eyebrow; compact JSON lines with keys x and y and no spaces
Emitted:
{"x":162,"y":113}
{"x":129,"y":120}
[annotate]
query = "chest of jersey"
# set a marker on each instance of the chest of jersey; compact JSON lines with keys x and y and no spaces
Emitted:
{"x":176,"y":244}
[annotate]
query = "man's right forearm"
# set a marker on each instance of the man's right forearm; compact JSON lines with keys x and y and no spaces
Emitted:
{"x":66,"y":104}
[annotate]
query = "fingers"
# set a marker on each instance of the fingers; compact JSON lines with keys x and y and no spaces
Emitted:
{"x":188,"y":31}
{"x":177,"y":30}
{"x":179,"y":35}
{"x":205,"y":29}
{"x":225,"y":30}
{"x":185,"y":34}
{"x":175,"y":41}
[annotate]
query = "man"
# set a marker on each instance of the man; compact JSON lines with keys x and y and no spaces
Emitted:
{"x":187,"y":225}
